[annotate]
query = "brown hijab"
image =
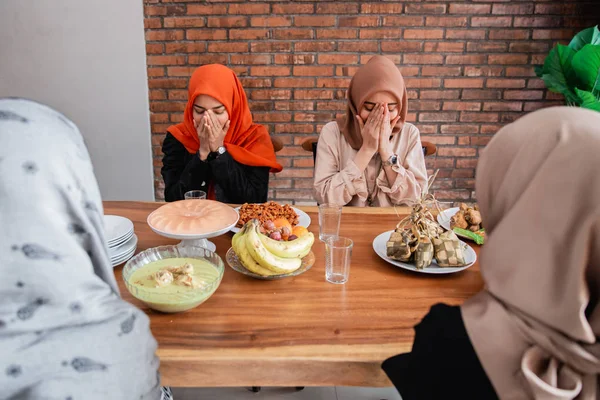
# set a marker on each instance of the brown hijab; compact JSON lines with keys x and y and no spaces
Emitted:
{"x":380,"y":74}
{"x":534,"y":326}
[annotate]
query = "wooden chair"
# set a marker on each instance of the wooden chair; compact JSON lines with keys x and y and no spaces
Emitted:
{"x":277,"y":143}
{"x":310,"y":145}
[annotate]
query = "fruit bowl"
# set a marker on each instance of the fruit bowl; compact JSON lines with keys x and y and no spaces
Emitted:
{"x":186,"y":298}
{"x":235,"y":263}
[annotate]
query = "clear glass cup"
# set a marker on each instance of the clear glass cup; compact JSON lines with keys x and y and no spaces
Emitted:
{"x":338,"y":253}
{"x":330,"y":216}
{"x":195,"y":195}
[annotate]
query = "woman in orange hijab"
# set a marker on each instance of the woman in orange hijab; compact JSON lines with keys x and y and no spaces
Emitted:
{"x":217,"y":148}
{"x":371,"y":156}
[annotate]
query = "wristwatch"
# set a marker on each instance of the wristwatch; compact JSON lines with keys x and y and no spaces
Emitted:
{"x":391,"y":161}
{"x":214,"y":154}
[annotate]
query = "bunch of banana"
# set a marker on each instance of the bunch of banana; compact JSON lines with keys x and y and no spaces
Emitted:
{"x":264,"y":256}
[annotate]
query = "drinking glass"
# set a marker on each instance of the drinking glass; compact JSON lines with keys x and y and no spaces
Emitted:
{"x":195,"y":195}
{"x":338,"y":253}
{"x":329,"y":221}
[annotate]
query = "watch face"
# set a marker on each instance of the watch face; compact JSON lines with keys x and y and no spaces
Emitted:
{"x":221,"y":150}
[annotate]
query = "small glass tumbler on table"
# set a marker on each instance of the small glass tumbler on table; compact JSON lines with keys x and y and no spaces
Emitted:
{"x":338,"y":253}
{"x":330,"y":216}
{"x":195,"y":195}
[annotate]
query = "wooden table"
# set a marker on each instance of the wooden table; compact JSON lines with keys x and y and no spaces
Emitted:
{"x":300,"y":331}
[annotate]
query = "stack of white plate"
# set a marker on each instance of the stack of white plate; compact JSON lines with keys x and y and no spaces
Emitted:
{"x":120,"y":239}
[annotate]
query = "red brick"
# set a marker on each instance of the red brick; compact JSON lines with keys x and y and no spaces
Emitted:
{"x":503,"y":106}
{"x":508,"y":59}
{"x":463,"y":173}
{"x":462,"y":106}
{"x":294,"y":105}
{"x":423,"y":58}
{"x":157,"y":95}
{"x":271,"y":21}
{"x":185,"y":47}
{"x":212,"y":9}
{"x":270,"y":94}
{"x":246,"y":9}
{"x":556,"y":9}
{"x":465,"y":34}
{"x":424,"y":105}
{"x":249,"y":82}
{"x":337,"y":59}
{"x":293,"y":9}
{"x":159,"y":36}
{"x":293,"y":128}
{"x":487,"y":94}
{"x":203,"y":34}
{"x":156,"y":71}
{"x":250,"y":59}
{"x":528,"y":47}
{"x":333,"y":82}
{"x":181,"y":22}
{"x":483,"y":71}
{"x":438,"y":117}
{"x":423,"y":33}
{"x":469,"y":9}
{"x":509,"y":117}
{"x":536,"y":105}
{"x":181,"y":94}
{"x":555,"y":34}
{"x":334,"y":105}
{"x":313,"y":71}
{"x":520,"y":71}
{"x":440,"y":140}
{"x":512,"y":9}
{"x":270,"y":47}
{"x":248,"y":34}
{"x":463,"y":83}
{"x":166,"y":60}
{"x":313,"y":117}
{"x":272,"y":117}
{"x":441,"y":71}
{"x":361,"y":47}
{"x":313,"y":20}
{"x":314,"y":46}
{"x":240,"y":70}
{"x":378,"y":33}
{"x":337,"y":8}
{"x":406,"y":71}
{"x":444,"y":47}
{"x":490,"y":129}
{"x":270,"y":71}
{"x":280,"y":183}
{"x":523,"y":94}
{"x":308,"y":94}
{"x":459,"y":129}
{"x":404,"y":46}
{"x":290,"y":34}
{"x":466,"y":163}
{"x":396,"y":59}
{"x":152,"y":23}
{"x":439,"y":94}
{"x":425,"y":9}
{"x":167,"y":106}
{"x":480,"y":140}
{"x":403,"y":21}
{"x":207,"y":59}
{"x":446,"y":21}
{"x":478,"y":117}
{"x":503,"y":22}
{"x":466,"y":59}
{"x":536,"y":84}
{"x":511,"y":34}
{"x":301,"y":59}
{"x":428,"y":129}
{"x":487,"y":47}
{"x":180,"y":71}
{"x":155,"y":10}
{"x":358,"y":21}
{"x":337,"y":33}
{"x":538,"y":22}
{"x":227,"y":22}
{"x":506,"y":83}
{"x":228,"y":47}
{"x":154,"y":48}
{"x":381,"y":8}
{"x":456,"y":152}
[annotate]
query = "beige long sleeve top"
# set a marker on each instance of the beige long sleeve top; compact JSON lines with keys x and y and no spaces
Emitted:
{"x":338,"y":180}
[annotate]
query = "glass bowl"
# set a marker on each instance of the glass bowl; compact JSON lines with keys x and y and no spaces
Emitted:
{"x":235,"y":264}
{"x":180,"y":301}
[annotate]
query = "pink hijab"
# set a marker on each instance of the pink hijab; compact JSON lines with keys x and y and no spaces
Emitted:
{"x":534,"y":326}
{"x":380,"y":74}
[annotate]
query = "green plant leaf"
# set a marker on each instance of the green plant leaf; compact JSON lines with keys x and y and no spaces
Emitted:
{"x":555,"y":85}
{"x":588,"y":100}
{"x":586,"y":65}
{"x":539,"y":70}
{"x":586,"y":36}
{"x":558,"y":73}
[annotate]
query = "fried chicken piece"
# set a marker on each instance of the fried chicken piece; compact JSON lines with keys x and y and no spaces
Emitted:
{"x":473,"y":217}
{"x":458,"y":221}
{"x":475,"y":228}
{"x":463,"y":207}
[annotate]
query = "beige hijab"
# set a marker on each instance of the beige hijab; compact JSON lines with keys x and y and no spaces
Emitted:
{"x":380,"y":74}
{"x":534,"y":326}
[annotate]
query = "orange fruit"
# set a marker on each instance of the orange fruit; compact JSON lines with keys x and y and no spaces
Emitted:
{"x":281,"y":222}
{"x":299,"y":231}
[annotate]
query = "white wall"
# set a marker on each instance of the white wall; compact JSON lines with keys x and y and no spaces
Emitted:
{"x":87,"y":59}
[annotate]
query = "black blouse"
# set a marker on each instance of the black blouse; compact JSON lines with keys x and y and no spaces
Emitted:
{"x":442,"y":364}
{"x":234,"y":182}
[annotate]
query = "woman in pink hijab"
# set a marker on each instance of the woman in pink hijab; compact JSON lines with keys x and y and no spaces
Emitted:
{"x":371,"y":156}
{"x":532,"y":332}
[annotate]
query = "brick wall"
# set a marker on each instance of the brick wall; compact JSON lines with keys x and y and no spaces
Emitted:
{"x":467,"y":65}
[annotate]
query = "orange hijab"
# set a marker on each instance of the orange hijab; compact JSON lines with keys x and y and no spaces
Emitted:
{"x":248,"y":143}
